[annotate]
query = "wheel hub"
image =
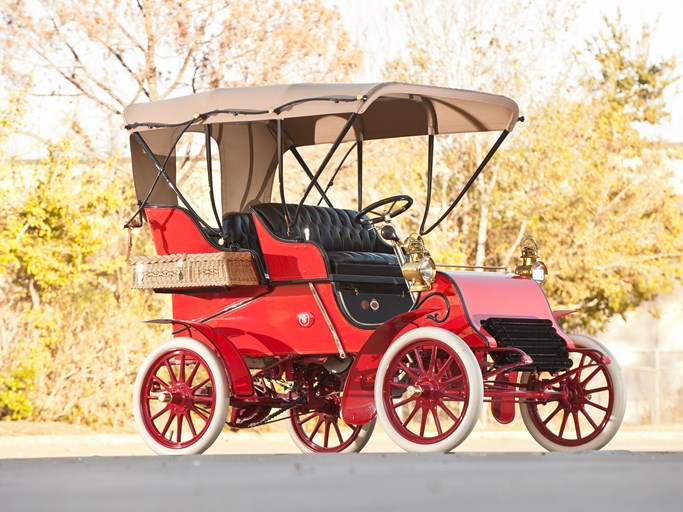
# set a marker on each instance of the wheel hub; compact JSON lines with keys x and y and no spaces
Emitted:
{"x":179,"y":398}
{"x":573,"y":395}
{"x":426,"y":390}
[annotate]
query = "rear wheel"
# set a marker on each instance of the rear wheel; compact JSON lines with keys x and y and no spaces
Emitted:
{"x":428,"y":390}
{"x":180,"y":400}
{"x":592,"y":406}
{"x":317,"y":432}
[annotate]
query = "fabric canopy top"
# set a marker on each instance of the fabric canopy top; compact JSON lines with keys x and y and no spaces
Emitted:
{"x":243,"y":124}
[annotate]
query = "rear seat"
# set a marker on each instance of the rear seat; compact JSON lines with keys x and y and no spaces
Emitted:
{"x":350,"y":247}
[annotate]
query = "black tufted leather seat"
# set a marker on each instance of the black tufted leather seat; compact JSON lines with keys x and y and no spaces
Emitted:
{"x":351,"y":248}
{"x":240,"y":230}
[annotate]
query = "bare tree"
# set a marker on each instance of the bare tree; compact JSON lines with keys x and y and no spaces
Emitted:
{"x":116,"y":52}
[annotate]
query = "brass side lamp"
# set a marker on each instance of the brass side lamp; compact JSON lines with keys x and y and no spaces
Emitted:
{"x":531,"y":265}
{"x":419,"y":271}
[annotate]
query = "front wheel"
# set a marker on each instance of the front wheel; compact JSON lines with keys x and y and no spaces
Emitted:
{"x":428,"y":390}
{"x":180,"y":400}
{"x":592,"y":404}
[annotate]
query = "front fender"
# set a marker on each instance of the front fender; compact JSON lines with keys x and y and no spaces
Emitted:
{"x":358,"y":400}
{"x":238,"y":373}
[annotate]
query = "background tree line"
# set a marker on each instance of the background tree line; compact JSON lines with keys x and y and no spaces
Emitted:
{"x":578,"y":175}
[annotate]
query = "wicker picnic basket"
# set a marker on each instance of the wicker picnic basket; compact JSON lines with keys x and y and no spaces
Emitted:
{"x":203,"y":270}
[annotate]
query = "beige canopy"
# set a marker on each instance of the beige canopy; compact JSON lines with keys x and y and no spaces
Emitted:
{"x":244,"y":126}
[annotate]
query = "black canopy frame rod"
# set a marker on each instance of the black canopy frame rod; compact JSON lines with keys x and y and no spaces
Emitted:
{"x":314,"y":180}
{"x":161,"y":172}
{"x":464,"y":190}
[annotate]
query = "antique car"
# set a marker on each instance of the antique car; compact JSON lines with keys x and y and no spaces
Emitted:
{"x":321,"y":315}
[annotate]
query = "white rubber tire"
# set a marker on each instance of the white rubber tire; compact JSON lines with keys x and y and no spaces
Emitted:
{"x":617,"y":413}
{"x":221,"y":391}
{"x":356,"y":446}
{"x":472,"y":372}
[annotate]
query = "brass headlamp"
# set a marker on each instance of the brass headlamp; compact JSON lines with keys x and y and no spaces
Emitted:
{"x":419,"y":270}
{"x":531,"y":266}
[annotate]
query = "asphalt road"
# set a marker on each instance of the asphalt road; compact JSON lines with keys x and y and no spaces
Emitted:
{"x":605,"y":481}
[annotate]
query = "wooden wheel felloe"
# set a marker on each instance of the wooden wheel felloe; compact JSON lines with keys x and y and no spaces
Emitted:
{"x":428,"y":390}
{"x":591,"y":405}
{"x":180,"y":401}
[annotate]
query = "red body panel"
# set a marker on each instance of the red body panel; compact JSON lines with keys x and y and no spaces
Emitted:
{"x":290,"y":261}
{"x":488,"y":294}
{"x":174,"y":232}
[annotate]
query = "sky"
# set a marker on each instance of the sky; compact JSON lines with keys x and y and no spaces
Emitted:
{"x":365,"y":16}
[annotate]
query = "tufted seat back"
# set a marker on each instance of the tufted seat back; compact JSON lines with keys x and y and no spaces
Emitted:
{"x":334,"y":229}
{"x":350,"y":247}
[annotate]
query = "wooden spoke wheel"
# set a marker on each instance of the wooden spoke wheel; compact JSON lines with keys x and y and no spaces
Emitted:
{"x":180,"y":401}
{"x":591,"y":407}
{"x":428,"y":390}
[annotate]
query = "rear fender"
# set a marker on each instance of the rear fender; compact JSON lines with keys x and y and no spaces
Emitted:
{"x":358,"y":400}
{"x":239,"y":377}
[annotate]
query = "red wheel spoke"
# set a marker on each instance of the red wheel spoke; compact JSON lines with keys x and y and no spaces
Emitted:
{"x":338,"y":431}
{"x":157,"y":379}
{"x":588,"y":417}
{"x":308,"y":418}
{"x":448,"y":411}
{"x":444,"y":367}
{"x":435,"y":416}
{"x":552,"y":414}
{"x":432,"y":361}
{"x":179,"y":433}
{"x":408,"y":371}
{"x":564,"y":423}
{"x":411,"y":415}
{"x":171,"y":374}
{"x":420,"y":366}
{"x":168,"y":424}
{"x":193,"y":373}
{"x":202,"y":414}
{"x":597,"y":406}
{"x":457,"y":395}
{"x":208,"y":400}
{"x":597,"y":390}
{"x":190,"y":424}
{"x":593,"y":374}
{"x":577,"y":428}
{"x":451,"y":381}
{"x":161,"y":412}
{"x":580,"y":366}
{"x":316,"y":428}
{"x":326,"y":440}
{"x":181,"y":370}
{"x":202,"y":383}
{"x":403,"y":402}
{"x":423,"y":423}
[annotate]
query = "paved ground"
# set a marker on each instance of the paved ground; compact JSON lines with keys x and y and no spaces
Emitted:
{"x":71,"y":442}
{"x":605,"y":481}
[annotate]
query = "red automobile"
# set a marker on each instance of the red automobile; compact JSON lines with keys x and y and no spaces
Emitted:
{"x":322,"y":316}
